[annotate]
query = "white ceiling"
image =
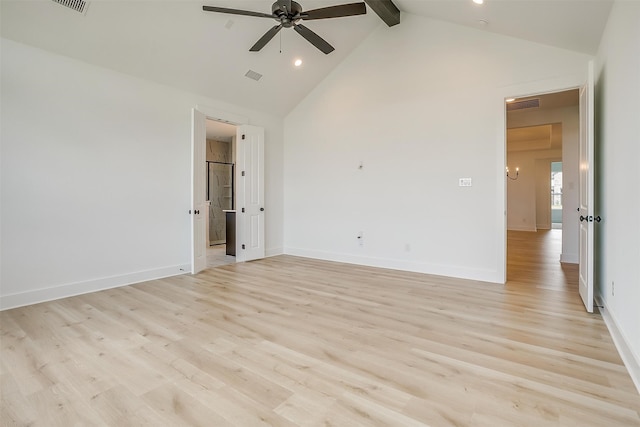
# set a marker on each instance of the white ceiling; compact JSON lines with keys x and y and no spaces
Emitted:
{"x":570,"y":24}
{"x":220,"y":131}
{"x":174,"y":42}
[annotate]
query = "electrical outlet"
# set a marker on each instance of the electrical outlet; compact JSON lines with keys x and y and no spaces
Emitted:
{"x":613,"y":288}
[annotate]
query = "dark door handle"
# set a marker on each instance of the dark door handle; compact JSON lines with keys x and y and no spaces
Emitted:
{"x":196,"y":212}
{"x":590,"y":218}
{"x":261,"y":209}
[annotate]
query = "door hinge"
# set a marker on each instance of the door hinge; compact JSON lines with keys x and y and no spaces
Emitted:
{"x":243,"y":136}
{"x":189,"y":211}
{"x":243,"y":246}
{"x":242,"y":173}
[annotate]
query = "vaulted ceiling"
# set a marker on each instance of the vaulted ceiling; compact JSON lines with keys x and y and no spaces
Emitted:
{"x":175,"y":43}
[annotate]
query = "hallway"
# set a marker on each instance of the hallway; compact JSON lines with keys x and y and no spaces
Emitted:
{"x":533,"y":260}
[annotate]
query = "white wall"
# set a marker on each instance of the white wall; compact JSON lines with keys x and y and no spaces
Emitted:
{"x":570,"y":119}
{"x":96,"y":176}
{"x":421,"y":104}
{"x":618,"y":192}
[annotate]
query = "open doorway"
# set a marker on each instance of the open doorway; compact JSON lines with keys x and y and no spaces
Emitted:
{"x":248,"y":152}
{"x":542,"y":135}
{"x":220,"y":162}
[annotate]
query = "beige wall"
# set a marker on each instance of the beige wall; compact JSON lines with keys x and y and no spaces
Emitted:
{"x":219,"y":151}
{"x":403,"y":124}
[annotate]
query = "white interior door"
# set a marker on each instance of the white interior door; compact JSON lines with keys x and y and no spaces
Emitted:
{"x":250,"y":209}
{"x":586,"y":191}
{"x":199,"y":207}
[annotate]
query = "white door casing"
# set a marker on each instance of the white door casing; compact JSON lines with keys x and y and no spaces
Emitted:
{"x":198,"y":191}
{"x":250,"y":209}
{"x":586,"y":197}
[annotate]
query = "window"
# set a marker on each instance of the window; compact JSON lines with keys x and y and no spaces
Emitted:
{"x":556,"y":192}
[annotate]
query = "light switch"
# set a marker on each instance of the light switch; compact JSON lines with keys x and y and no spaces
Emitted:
{"x":465,"y":182}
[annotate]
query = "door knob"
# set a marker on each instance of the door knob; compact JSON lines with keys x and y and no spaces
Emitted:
{"x":261,"y":209}
{"x":590,"y":218}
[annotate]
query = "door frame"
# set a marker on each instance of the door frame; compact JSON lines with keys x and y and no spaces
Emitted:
{"x":560,"y":84}
{"x":211,"y":113}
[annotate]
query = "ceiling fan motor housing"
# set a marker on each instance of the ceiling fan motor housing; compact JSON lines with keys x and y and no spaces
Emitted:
{"x":287,"y":18}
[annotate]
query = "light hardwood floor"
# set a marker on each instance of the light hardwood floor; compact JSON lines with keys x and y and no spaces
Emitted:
{"x":217,"y":256}
{"x":289,"y":341}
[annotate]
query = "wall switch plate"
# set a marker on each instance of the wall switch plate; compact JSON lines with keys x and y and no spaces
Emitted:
{"x":464,"y":182}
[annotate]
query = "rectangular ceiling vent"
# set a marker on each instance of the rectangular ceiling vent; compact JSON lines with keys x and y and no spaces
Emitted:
{"x":77,"y":5}
{"x":523,"y":105}
{"x":253,"y":75}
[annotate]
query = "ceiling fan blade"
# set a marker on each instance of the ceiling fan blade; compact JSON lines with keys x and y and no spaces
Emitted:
{"x":314,"y":39}
{"x":338,"y":11}
{"x":236,"y":11}
{"x":266,"y":38}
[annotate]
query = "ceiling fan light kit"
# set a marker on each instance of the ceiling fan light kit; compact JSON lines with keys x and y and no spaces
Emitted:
{"x":288,"y":13}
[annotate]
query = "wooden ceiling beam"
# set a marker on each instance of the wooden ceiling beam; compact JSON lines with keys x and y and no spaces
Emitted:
{"x":386,"y":10}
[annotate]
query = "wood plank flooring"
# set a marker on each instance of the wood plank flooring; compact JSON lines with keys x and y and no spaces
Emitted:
{"x":217,"y":256}
{"x":289,"y":341}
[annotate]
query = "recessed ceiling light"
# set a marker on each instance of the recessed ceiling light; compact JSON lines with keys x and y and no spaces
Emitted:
{"x":297,"y":62}
{"x":510,"y":99}
{"x":478,"y":1}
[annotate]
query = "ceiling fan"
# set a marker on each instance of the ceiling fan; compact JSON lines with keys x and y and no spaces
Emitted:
{"x":288,"y":13}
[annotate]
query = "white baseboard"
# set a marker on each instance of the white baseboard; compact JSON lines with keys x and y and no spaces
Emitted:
{"x":569,"y":258}
{"x":79,"y":288}
{"x":483,"y":275}
{"x":269,"y":252}
{"x":630,"y":359}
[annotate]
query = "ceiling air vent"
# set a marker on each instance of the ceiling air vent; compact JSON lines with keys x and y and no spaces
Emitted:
{"x":77,"y":5}
{"x":253,"y":75}
{"x":523,"y":105}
